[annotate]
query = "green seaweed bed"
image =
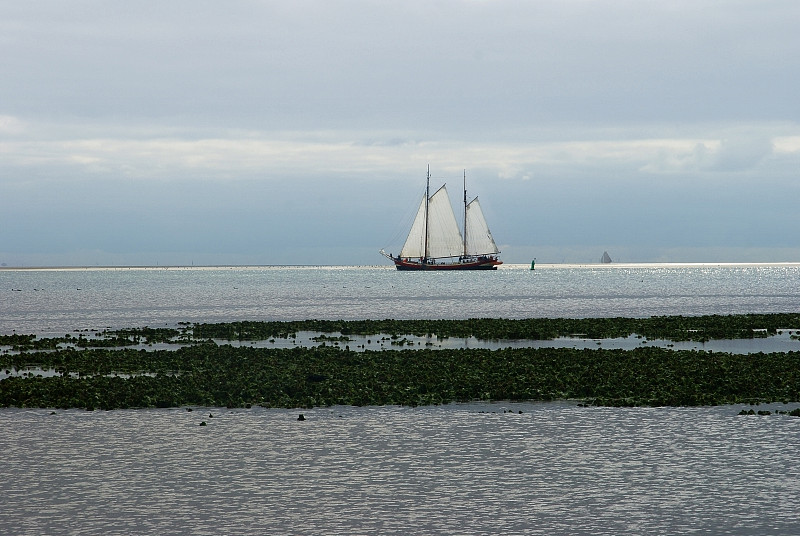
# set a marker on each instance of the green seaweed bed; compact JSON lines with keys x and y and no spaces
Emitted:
{"x":97,"y":374}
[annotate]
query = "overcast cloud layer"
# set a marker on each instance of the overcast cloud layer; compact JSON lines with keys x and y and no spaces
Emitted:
{"x":299,"y":132}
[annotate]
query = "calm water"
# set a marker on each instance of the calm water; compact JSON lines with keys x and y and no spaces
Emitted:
{"x":456,"y":469}
{"x":57,"y":301}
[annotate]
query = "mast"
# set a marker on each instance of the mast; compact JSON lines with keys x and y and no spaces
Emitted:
{"x":465,"y":213}
{"x":427,"y":200}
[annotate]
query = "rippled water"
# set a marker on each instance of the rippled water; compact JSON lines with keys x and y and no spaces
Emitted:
{"x":475,"y":468}
{"x":60,"y":301}
{"x":463,"y":469}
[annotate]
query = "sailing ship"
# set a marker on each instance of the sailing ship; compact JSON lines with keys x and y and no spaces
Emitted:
{"x":436,"y":243}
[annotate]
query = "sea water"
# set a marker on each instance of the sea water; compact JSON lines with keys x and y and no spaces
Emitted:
{"x":501,"y":468}
{"x":56,"y":301}
{"x":497,"y":468}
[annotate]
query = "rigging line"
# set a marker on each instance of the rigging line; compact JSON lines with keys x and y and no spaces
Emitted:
{"x":400,"y":232}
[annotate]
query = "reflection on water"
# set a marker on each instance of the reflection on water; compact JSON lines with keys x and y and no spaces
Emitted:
{"x":783,"y":341}
{"x":474,"y":468}
{"x":54,"y":302}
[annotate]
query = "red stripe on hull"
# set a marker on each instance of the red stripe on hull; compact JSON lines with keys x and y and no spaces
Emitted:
{"x":486,"y":264}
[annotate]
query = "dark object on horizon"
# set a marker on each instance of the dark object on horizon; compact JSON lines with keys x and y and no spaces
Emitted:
{"x":605,"y":259}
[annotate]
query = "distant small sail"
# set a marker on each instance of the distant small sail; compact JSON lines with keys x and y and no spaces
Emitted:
{"x":605,"y":259}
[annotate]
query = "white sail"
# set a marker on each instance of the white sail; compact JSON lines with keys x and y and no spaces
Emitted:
{"x":415,"y":243}
{"x":444,"y":237}
{"x":479,"y":238}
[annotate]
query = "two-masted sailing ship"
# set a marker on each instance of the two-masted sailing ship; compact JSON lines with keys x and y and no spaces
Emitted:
{"x":435,"y":241}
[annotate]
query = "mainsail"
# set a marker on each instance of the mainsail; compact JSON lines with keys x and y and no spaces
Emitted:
{"x":479,"y":239}
{"x":443,"y":236}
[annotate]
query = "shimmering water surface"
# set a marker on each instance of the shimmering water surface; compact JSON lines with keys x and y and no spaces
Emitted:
{"x":458,"y":469}
{"x":57,"y":301}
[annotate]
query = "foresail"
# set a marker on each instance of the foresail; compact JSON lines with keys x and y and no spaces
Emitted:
{"x":479,"y":238}
{"x":415,"y":243}
{"x":444,"y":237}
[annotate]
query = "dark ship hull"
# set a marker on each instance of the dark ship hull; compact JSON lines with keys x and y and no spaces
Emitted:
{"x":480,"y":263}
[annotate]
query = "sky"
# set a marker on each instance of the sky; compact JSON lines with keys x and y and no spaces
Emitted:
{"x":273,"y":132}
